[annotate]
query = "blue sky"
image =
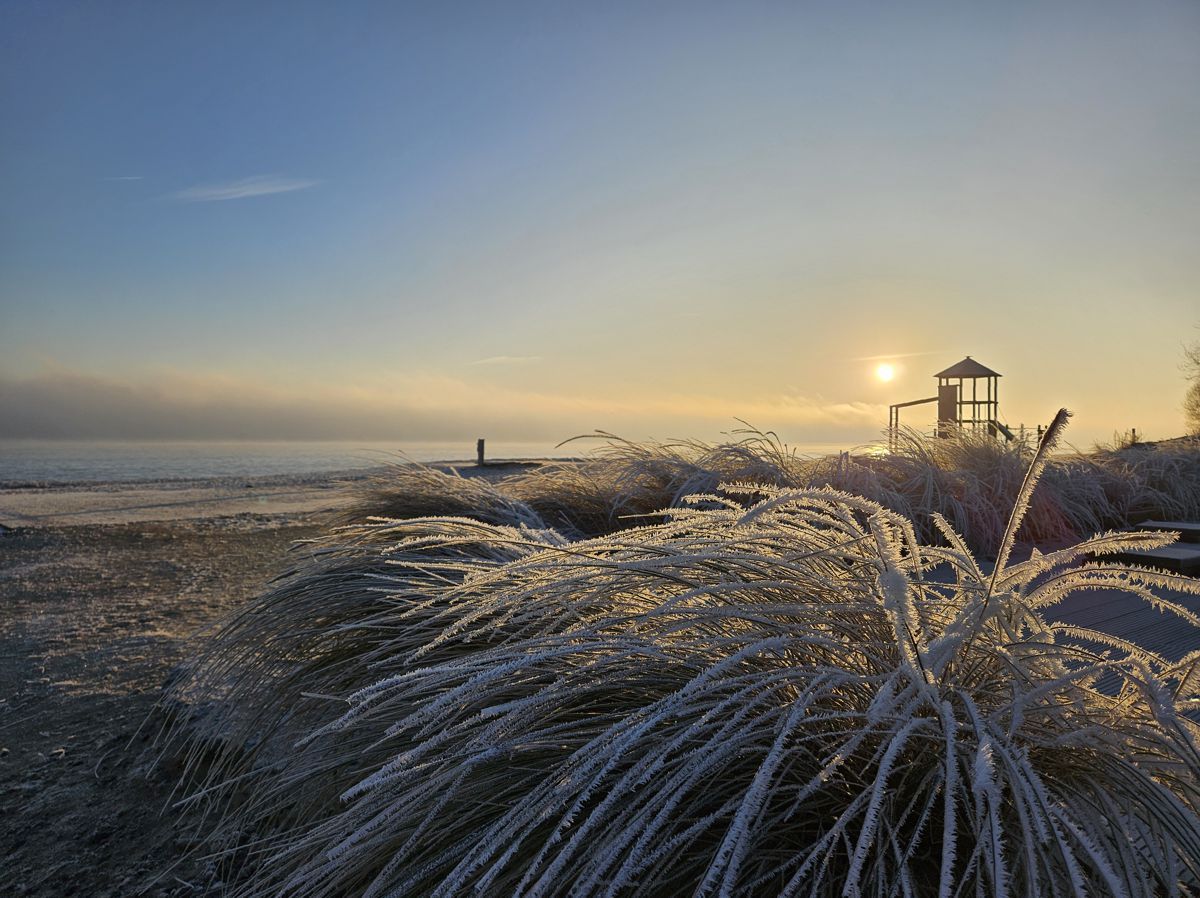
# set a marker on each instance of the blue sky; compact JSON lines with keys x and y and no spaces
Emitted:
{"x":649,"y":218}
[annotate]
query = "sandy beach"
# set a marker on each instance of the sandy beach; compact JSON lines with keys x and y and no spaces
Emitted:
{"x":101,"y":587}
{"x":80,"y":504}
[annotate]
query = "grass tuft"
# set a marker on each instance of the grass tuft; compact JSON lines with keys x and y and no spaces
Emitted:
{"x":766,"y":689}
{"x":970,"y":479}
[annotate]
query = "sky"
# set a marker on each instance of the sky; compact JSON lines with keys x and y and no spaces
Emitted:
{"x":532,"y":220}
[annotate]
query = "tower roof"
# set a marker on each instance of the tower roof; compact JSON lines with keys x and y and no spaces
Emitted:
{"x":968,"y":367}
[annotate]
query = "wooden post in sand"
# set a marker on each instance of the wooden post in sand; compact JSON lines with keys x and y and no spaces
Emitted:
{"x":479,"y":452}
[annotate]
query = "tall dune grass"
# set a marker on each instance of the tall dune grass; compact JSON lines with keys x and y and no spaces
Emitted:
{"x":969,"y":479}
{"x":416,"y":491}
{"x":768,"y":690}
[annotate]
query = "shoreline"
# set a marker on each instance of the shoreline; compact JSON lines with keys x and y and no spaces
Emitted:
{"x":98,"y":502}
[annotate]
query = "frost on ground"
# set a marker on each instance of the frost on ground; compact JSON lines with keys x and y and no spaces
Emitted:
{"x":92,"y":620}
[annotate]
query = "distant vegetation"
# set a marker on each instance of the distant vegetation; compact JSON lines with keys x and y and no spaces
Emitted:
{"x":552,"y":686}
{"x":1191,"y":400}
{"x":971,"y":480}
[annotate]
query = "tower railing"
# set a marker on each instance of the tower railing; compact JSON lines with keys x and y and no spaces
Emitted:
{"x":894,"y":417}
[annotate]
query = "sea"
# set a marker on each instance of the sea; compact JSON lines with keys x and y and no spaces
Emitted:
{"x":57,"y":461}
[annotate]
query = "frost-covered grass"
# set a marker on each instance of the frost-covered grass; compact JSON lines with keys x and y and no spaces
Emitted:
{"x":770,"y":690}
{"x":970,"y":479}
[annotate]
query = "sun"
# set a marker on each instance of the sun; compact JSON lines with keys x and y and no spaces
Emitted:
{"x":885,"y":372}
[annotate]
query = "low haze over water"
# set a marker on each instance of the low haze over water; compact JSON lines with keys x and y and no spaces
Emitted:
{"x":316,"y":221}
{"x":70,"y":460}
{"x":46,"y":460}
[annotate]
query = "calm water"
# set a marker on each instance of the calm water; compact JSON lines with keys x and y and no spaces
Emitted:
{"x":54,"y":460}
{"x":23,"y":461}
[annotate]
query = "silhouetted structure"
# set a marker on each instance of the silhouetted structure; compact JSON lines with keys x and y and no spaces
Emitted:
{"x":963,"y":403}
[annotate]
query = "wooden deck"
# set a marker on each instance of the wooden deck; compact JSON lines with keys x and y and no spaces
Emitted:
{"x":1189,"y":531}
{"x":1179,"y":558}
{"x":1128,"y":617}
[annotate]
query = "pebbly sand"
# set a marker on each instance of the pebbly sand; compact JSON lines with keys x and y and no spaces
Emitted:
{"x":100,"y":587}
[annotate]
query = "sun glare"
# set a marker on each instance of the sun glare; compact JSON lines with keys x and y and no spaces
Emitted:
{"x":885,"y":372}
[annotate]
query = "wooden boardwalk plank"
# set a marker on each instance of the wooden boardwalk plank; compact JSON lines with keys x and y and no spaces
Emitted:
{"x":1128,"y":617}
{"x":1189,"y":531}
{"x":1182,"y":559}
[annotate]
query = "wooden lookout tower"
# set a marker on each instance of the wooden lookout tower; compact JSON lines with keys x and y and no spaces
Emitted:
{"x":982,"y":409}
{"x":967,"y":399}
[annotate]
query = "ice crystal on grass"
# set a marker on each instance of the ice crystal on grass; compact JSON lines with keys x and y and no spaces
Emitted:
{"x":970,"y":480}
{"x":768,"y":690}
